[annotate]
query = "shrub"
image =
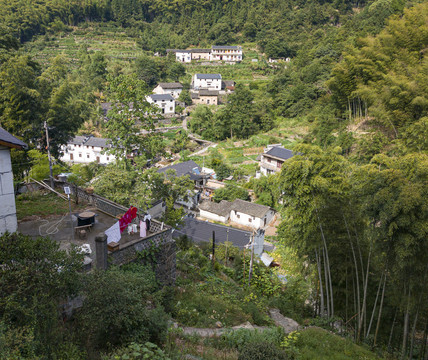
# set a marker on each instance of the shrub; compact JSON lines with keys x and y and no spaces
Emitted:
{"x":138,"y":351}
{"x":261,"y":351}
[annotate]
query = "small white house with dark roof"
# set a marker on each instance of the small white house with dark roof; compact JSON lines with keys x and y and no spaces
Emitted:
{"x":165,"y":102}
{"x":184,"y":56}
{"x":273,"y":158}
{"x":174,"y":89}
{"x":8,"y":221}
{"x":207,"y":82}
{"x":215,"y":211}
{"x":87,"y":149}
{"x":201,"y":54}
{"x":240,"y":212}
{"x":226,"y":53}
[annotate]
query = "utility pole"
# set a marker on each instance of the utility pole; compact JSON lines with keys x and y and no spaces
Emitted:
{"x":213,"y":259}
{"x":49,"y":155}
{"x":67,"y":191}
{"x":251,"y":260}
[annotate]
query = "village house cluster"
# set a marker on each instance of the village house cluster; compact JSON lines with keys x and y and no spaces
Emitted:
{"x":229,"y":54}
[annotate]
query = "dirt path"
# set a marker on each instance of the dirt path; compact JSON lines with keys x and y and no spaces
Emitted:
{"x":287,"y":324}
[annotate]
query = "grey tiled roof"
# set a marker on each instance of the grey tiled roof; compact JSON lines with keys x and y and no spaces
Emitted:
{"x":202,"y":231}
{"x":204,"y":92}
{"x":173,"y":85}
{"x":184,"y":168}
{"x":222,"y":208}
{"x":225,"y":47}
{"x":161,"y":97}
{"x":280,"y":152}
{"x":178,"y":50}
{"x":89,"y":141}
{"x":10,"y":140}
{"x":229,"y":82}
{"x":208,"y":76}
{"x":78,"y":140}
{"x":200,"y":50}
{"x":250,"y":208}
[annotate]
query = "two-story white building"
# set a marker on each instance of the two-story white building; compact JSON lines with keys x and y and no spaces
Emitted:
{"x":165,"y":102}
{"x":174,"y":89}
{"x":226,"y":53}
{"x":87,"y":149}
{"x":273,"y":158}
{"x":207,"y":82}
{"x":201,"y":54}
{"x":8,"y":221}
{"x":184,"y":56}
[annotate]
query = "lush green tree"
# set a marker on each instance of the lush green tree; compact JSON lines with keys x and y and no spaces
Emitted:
{"x":35,"y":277}
{"x":231,"y":192}
{"x":148,"y":70}
{"x":185,"y":97}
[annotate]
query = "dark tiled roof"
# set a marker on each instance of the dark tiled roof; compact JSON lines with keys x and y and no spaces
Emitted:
{"x":280,"y":152}
{"x":99,"y":142}
{"x":204,"y":92}
{"x":184,"y":168}
{"x":194,"y":95}
{"x":249,"y":208}
{"x":202,"y":231}
{"x":78,"y":140}
{"x":178,"y":50}
{"x":208,"y":76}
{"x":222,"y":208}
{"x":161,"y":97}
{"x":174,"y":85}
{"x":222,"y":47}
{"x":200,"y":50}
{"x":229,"y":82}
{"x":9,"y":140}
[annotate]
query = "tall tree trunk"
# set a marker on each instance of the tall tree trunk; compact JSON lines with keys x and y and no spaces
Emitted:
{"x":318,"y":257}
{"x":327,"y":293}
{"x":356,"y":267}
{"x":374,"y":306}
{"x":405,"y":328}
{"x":392,"y":330}
{"x":360,"y":325}
{"x":424,"y":342}
{"x":412,"y":339}
{"x":328,"y":266}
{"x":380,"y":311}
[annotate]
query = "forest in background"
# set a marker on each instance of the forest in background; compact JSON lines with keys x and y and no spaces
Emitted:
{"x":355,"y":202}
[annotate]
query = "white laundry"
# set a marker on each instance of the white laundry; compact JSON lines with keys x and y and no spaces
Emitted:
{"x":142,"y":229}
{"x":113,"y":233}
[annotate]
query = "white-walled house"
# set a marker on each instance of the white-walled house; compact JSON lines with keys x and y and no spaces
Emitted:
{"x":8,"y":221}
{"x":184,"y":56}
{"x":174,"y":89}
{"x":165,"y":102}
{"x":215,"y":211}
{"x":86,"y":149}
{"x":201,"y":54}
{"x":273,"y":158}
{"x":226,"y":53}
{"x":251,"y":214}
{"x":239,"y":212}
{"x":207,"y":82}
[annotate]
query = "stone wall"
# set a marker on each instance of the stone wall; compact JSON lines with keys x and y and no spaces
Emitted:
{"x":164,"y":249}
{"x":8,"y":220}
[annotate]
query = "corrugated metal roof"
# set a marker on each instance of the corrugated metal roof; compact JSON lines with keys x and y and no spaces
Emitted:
{"x":9,"y":140}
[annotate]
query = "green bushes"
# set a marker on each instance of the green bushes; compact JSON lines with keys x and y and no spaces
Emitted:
{"x":261,"y":351}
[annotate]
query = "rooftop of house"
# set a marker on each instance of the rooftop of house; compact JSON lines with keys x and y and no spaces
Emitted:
{"x":202,"y":231}
{"x":208,"y":76}
{"x":161,"y":97}
{"x":178,"y":50}
{"x":229,"y":83}
{"x":222,"y":208}
{"x":204,"y":92}
{"x":172,"y":85}
{"x":7,"y":139}
{"x":224,"y":47}
{"x":250,"y":208}
{"x":89,"y":141}
{"x":183,"y":168}
{"x":280,"y":152}
{"x":200,"y":50}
